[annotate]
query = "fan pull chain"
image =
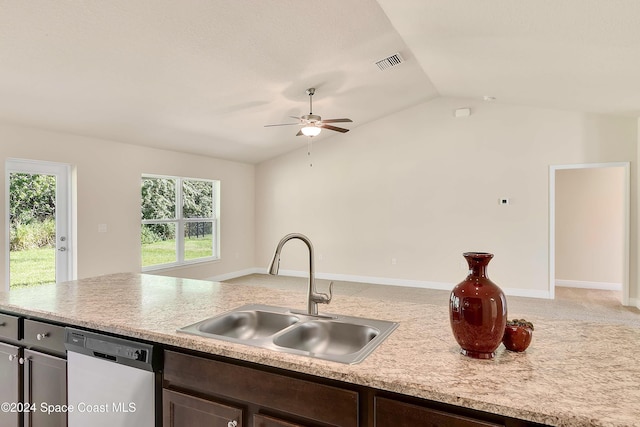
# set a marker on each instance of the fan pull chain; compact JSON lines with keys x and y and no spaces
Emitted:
{"x":309,"y":145}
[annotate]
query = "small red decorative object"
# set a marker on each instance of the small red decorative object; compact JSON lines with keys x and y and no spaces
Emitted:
{"x":517,"y":335}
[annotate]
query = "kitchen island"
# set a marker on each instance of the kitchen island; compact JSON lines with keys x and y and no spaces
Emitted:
{"x":575,"y":373}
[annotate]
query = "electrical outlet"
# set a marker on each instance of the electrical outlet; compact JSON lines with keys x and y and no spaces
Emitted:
{"x":394,"y":261}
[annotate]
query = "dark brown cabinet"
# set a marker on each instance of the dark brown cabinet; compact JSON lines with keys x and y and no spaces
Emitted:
{"x":45,"y":383}
{"x":266,"y":398}
{"x":393,"y":413}
{"x":202,"y":390}
{"x":183,"y":410}
{"x":266,"y":421}
{"x":10,"y":370}
{"x":11,"y":381}
{"x":39,"y":335}
{"x":33,"y":373}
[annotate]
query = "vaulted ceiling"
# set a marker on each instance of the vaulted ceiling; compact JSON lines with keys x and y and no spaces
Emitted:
{"x":205,"y":76}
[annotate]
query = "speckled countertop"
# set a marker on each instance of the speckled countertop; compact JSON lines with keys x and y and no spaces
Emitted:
{"x":574,"y":373}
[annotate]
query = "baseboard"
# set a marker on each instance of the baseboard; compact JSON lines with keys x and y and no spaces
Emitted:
{"x":388,"y":281}
{"x":607,"y":286}
{"x":234,"y":274}
{"x":634,"y":302}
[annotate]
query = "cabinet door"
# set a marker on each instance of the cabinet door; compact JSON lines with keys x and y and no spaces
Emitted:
{"x":260,"y":420}
{"x":393,"y":413}
{"x":10,"y":383}
{"x":182,"y":410}
{"x":45,"y":382}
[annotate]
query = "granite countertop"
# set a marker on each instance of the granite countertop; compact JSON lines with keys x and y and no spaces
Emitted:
{"x":575,"y":373}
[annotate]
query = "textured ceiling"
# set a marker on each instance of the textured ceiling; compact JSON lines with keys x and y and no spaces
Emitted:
{"x":205,"y":76}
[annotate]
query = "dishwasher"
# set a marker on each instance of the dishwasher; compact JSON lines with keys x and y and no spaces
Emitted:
{"x":111,"y":382}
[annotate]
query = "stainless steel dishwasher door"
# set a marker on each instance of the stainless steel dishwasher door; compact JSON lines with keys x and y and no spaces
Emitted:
{"x":102,"y":390}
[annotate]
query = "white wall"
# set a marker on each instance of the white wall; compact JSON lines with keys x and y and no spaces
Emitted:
{"x":589,"y":226}
{"x":422,"y":187}
{"x":108,"y":192}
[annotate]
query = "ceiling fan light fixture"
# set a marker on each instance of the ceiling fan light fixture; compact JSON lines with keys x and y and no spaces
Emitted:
{"x":311,"y":130}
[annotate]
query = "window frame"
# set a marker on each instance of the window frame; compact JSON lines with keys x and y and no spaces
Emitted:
{"x":179,"y":220}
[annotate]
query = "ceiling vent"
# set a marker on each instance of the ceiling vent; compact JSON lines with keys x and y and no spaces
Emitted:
{"x":390,"y":62}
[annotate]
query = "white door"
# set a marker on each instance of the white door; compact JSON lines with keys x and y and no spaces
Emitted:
{"x":47,"y":262}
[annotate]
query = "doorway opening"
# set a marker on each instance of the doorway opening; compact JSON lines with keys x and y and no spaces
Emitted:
{"x":589,"y":214}
{"x":38,"y":222}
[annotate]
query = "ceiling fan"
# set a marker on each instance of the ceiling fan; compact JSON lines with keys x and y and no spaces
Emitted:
{"x":313,"y":124}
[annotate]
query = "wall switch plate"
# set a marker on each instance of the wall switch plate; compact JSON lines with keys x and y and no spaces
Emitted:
{"x":102,"y":228}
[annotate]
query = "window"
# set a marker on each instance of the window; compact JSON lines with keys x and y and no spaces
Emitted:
{"x":179,"y":221}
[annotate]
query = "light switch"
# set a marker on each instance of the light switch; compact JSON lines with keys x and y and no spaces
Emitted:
{"x":102,"y":228}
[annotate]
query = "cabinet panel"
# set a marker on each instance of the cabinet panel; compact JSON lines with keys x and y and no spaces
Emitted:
{"x":44,"y":336}
{"x":393,"y":413}
{"x":10,"y":383}
{"x":9,"y":327}
{"x":260,"y":420}
{"x":45,"y":381}
{"x":181,"y":410}
{"x":314,"y":401}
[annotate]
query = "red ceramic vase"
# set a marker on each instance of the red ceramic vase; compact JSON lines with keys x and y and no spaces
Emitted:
{"x":478,"y":310}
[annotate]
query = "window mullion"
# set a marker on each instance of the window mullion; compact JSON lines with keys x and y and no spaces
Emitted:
{"x":180,"y":220}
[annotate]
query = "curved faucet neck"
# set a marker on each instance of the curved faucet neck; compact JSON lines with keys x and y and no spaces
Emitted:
{"x":313,"y":297}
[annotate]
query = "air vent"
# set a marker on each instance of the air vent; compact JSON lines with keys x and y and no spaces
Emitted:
{"x":392,"y":61}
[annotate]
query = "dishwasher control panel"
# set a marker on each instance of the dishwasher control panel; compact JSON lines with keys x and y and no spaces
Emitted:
{"x":119,"y":350}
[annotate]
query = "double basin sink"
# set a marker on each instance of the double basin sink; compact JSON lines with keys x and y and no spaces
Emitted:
{"x":338,"y":338}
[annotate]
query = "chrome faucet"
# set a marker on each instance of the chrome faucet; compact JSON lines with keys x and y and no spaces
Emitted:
{"x":313,"y":298}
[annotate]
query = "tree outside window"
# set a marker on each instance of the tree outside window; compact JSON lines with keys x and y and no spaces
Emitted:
{"x":179,"y":221}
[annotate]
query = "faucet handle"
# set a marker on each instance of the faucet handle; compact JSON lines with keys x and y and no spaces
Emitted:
{"x":326,"y":299}
{"x":330,"y":296}
{"x":321,"y":298}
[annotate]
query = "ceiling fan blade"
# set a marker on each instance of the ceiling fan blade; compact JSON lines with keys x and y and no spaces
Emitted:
{"x":297,"y":118}
{"x":299,"y":133}
{"x":337,"y":129}
{"x":337,"y":121}
{"x":282,"y":124}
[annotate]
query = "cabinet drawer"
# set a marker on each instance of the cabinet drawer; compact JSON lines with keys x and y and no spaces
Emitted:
{"x":9,"y":327}
{"x":182,"y":410}
{"x":393,"y":413}
{"x":265,"y":421}
{"x":314,"y":401}
{"x":44,"y":336}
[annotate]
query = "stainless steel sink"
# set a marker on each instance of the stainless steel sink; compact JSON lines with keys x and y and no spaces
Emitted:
{"x":327,"y":337}
{"x":246,"y":324}
{"x":339,"y":338}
